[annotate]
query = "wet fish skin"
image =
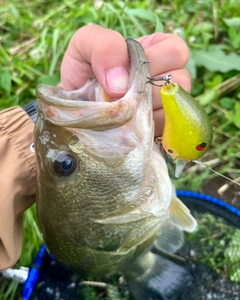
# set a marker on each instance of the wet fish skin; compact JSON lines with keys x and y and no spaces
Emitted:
{"x":103,"y":191}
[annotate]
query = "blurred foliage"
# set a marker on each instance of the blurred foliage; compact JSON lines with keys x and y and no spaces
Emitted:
{"x":232,"y":256}
{"x":211,"y":240}
{"x":216,"y":244}
{"x":34,"y":35}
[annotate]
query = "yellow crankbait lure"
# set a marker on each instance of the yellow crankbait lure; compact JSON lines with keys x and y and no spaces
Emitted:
{"x":187,"y":132}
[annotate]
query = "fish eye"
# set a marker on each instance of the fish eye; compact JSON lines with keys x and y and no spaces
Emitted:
{"x":65,"y":164}
{"x":170,"y":151}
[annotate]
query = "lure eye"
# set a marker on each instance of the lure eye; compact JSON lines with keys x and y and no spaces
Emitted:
{"x":65,"y":164}
{"x":201,"y":146}
{"x":170,"y":151}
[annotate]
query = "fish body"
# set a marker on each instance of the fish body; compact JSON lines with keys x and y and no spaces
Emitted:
{"x":187,"y":133}
{"x":104,"y":196}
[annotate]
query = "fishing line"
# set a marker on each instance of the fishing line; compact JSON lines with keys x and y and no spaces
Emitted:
{"x":216,"y":172}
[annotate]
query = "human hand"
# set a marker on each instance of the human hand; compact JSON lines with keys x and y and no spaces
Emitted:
{"x":94,"y":50}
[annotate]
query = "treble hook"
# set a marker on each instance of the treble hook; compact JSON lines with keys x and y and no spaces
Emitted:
{"x":178,"y":164}
{"x":166,"y":78}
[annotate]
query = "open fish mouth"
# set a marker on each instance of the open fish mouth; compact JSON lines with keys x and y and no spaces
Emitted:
{"x":89,"y":107}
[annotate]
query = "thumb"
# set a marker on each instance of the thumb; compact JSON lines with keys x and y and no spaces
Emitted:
{"x":94,"y":50}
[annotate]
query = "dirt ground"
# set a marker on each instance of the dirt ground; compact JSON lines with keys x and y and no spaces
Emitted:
{"x":222,"y":189}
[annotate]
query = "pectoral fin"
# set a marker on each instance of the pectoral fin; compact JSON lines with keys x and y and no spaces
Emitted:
{"x":181,"y":216}
{"x":170,"y":239}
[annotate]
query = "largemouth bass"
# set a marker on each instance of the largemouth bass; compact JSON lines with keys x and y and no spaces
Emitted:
{"x":104,"y":196}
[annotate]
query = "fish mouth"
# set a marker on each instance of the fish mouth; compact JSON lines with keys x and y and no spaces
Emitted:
{"x":89,"y":107}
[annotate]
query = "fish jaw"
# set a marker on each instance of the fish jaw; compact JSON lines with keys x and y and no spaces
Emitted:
{"x":76,"y":109}
{"x":114,"y":201}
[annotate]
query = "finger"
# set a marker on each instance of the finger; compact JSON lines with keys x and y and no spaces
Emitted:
{"x":165,"y":52}
{"x":94,"y":50}
{"x":158,"y":117}
{"x":181,"y":77}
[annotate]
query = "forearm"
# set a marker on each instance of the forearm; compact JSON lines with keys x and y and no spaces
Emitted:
{"x":17,"y":180}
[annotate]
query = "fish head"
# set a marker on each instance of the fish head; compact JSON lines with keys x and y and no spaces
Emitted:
{"x":80,"y":132}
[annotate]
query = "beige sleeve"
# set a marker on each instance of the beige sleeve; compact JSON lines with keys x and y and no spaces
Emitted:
{"x":17,"y":181}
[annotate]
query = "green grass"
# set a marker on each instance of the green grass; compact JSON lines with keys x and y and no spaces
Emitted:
{"x":34,"y":36}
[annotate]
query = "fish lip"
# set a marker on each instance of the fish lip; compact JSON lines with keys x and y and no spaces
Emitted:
{"x":57,"y":96}
{"x":137,"y":57}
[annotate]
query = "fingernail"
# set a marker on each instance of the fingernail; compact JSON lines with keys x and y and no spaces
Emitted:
{"x":117,"y":80}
